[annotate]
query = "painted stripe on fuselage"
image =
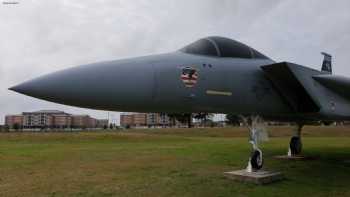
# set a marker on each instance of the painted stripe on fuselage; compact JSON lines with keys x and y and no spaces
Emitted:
{"x":218,"y":93}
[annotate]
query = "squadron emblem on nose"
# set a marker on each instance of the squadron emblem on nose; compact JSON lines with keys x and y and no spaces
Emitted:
{"x":189,"y":76}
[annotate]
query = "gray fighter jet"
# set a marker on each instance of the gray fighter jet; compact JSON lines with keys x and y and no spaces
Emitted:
{"x":213,"y":74}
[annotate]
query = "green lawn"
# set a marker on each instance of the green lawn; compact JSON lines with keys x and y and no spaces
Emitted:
{"x":168,"y":162}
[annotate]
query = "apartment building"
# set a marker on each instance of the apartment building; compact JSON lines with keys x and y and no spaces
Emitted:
{"x":140,"y":119}
{"x":144,"y":120}
{"x":62,"y":120}
{"x":12,"y":120}
{"x":126,"y":120}
{"x":43,"y":119}
{"x":53,"y":119}
{"x":158,"y":119}
{"x":80,"y":121}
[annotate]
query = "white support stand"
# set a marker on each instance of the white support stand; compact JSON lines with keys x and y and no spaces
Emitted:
{"x":289,"y":154}
{"x":249,"y":168}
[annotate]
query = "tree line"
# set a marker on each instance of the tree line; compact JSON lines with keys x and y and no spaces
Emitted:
{"x":186,"y":118}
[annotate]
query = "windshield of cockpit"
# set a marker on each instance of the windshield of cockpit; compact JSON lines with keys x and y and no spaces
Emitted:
{"x":222,"y":47}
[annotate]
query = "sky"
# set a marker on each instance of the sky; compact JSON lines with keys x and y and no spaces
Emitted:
{"x":40,"y":36}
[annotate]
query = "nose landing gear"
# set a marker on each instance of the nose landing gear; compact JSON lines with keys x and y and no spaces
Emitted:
{"x":256,"y":160}
{"x":257,"y":128}
{"x":254,"y":172}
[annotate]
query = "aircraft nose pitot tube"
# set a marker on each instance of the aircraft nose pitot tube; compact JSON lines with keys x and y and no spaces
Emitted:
{"x":108,"y":85}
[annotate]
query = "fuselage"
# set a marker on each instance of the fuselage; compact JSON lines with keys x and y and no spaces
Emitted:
{"x":214,"y":75}
{"x":154,"y":84}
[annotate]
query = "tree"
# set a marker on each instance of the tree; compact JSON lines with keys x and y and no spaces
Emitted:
{"x":16,"y":126}
{"x":6,"y":128}
{"x":189,"y":120}
{"x":172,"y":118}
{"x":203,"y":117}
{"x":181,"y":117}
{"x":233,"y":119}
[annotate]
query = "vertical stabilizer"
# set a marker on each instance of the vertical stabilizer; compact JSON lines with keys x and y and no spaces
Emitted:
{"x":327,"y":63}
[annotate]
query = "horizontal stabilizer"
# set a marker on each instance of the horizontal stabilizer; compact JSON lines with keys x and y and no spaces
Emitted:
{"x":337,"y":84}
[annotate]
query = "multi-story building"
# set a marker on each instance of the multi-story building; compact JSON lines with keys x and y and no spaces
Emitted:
{"x":14,"y":120}
{"x":53,"y":119}
{"x":92,"y":122}
{"x":62,"y":120}
{"x":85,"y":121}
{"x":164,"y":120}
{"x":133,"y":120}
{"x":80,"y":121}
{"x":41,"y":119}
{"x":126,"y":120}
{"x":156,"y":119}
{"x":140,"y":119}
{"x":144,"y":120}
{"x":152,"y":119}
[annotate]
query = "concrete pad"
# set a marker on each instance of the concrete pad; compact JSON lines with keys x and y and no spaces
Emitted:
{"x":259,"y":177}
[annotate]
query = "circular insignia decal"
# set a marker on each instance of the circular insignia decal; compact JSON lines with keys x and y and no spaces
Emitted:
{"x":189,"y":76}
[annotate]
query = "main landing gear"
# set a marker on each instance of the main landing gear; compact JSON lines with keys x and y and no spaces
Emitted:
{"x":295,"y":145}
{"x":257,"y":128}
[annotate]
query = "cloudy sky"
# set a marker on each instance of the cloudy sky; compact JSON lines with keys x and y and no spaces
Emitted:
{"x":40,"y":36}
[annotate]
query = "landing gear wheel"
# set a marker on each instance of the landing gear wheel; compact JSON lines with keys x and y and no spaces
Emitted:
{"x":256,"y":160}
{"x":295,"y":145}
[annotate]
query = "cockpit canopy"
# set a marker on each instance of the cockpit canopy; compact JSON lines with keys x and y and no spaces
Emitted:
{"x":222,"y":47}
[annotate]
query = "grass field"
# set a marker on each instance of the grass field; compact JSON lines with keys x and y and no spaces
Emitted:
{"x":168,"y":162}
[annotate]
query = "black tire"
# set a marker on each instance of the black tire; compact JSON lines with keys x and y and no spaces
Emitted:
{"x":256,"y":160}
{"x":295,"y":145}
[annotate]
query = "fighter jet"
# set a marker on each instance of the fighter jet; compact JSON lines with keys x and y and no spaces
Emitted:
{"x":213,"y":75}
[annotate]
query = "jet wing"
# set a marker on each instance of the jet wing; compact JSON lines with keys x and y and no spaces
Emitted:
{"x":294,"y":83}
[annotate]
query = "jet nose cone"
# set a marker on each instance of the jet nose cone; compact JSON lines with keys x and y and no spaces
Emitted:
{"x":22,"y":88}
{"x":36,"y":88}
{"x":108,"y":86}
{"x":14,"y":88}
{"x":60,"y":87}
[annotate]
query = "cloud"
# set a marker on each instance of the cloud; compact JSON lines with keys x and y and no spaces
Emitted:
{"x":39,"y":37}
